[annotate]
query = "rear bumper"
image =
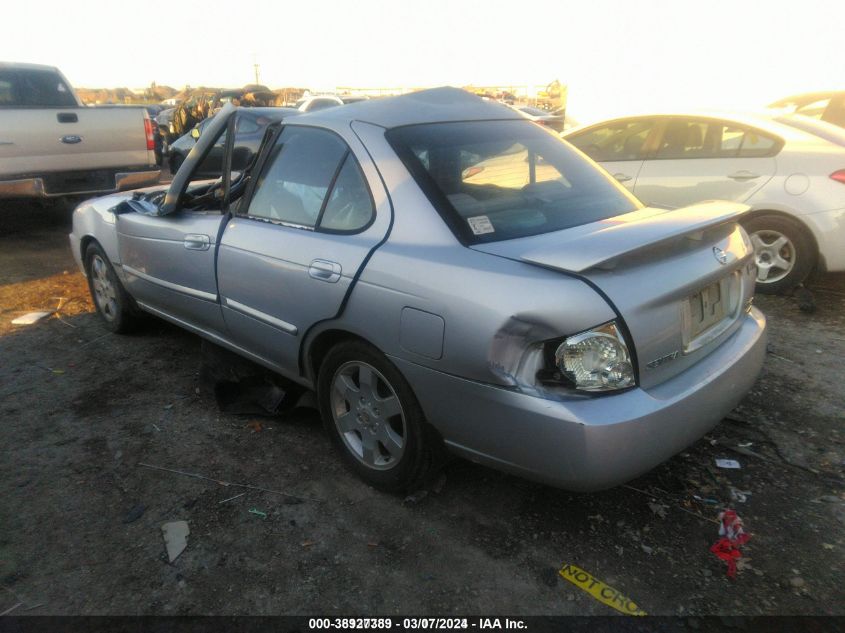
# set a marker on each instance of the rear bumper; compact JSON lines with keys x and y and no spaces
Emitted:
{"x":40,"y":187}
{"x":591,"y":443}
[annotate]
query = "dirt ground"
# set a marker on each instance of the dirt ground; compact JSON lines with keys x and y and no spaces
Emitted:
{"x":82,"y":409}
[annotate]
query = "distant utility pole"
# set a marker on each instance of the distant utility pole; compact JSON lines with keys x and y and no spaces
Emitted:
{"x":256,"y":66}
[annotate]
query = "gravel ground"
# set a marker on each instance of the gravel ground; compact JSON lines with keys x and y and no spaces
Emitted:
{"x":81,"y":519}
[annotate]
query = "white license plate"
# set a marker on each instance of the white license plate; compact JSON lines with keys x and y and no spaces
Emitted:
{"x":710,"y":311}
{"x":706,"y":308}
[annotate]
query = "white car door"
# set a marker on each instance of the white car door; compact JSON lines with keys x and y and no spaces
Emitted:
{"x":706,"y":159}
{"x":619,"y":146}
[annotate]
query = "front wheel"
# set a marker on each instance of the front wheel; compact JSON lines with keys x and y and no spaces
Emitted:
{"x":783,"y":251}
{"x":374,"y":419}
{"x":113,"y":303}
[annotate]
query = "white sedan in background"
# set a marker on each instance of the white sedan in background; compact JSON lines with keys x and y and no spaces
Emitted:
{"x":318,"y":102}
{"x":793,"y":180}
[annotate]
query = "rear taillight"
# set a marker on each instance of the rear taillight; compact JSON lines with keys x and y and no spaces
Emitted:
{"x":839,"y":176}
{"x":148,"y":131}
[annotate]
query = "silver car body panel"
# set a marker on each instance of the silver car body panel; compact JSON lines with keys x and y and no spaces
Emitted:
{"x":465,"y":325}
{"x":598,"y":244}
{"x":590,"y":444}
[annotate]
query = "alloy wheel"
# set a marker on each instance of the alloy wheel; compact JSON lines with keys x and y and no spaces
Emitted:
{"x":368,"y":415}
{"x":774,"y":254}
{"x":105,"y":292}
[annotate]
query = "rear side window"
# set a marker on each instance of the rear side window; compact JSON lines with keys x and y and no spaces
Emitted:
{"x":689,"y":138}
{"x":756,"y":144}
{"x":34,"y":88}
{"x":312,"y":180}
{"x":498,"y":180}
{"x":619,"y":140}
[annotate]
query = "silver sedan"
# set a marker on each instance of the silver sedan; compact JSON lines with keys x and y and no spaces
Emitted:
{"x":445,"y":275}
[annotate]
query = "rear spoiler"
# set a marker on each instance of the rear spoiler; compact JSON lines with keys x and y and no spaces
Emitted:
{"x":599,"y":243}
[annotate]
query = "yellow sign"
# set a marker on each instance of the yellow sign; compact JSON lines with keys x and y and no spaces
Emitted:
{"x":600,"y":591}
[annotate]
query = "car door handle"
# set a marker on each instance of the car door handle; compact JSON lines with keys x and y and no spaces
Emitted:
{"x":743,"y":174}
{"x":324,"y":270}
{"x":196,"y":242}
{"x":620,"y":177}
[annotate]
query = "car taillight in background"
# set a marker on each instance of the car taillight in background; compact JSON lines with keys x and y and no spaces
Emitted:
{"x":148,"y":130}
{"x":839,"y":176}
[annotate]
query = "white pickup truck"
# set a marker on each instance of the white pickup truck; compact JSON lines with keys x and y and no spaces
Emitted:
{"x":52,"y":145}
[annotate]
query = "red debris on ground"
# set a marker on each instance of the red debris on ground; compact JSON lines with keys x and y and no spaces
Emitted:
{"x":733,"y":536}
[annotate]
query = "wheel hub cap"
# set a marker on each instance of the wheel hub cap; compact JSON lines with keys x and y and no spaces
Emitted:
{"x":105,"y":293}
{"x":368,"y":415}
{"x":774,"y":255}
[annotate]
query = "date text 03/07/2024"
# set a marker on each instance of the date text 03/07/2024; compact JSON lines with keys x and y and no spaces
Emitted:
{"x":416,"y":623}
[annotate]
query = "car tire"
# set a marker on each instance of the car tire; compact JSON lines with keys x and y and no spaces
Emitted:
{"x":374,"y":418}
{"x":114,"y":305}
{"x":783,"y":250}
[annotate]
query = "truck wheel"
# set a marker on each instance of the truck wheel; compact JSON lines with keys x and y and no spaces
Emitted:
{"x":114,"y":305}
{"x":374,"y":419}
{"x":783,"y":250}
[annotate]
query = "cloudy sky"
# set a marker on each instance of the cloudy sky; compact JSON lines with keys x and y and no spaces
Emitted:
{"x":616,"y":56}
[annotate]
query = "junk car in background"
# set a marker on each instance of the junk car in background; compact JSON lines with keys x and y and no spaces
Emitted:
{"x":793,"y":179}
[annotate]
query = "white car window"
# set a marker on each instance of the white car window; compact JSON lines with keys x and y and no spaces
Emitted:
{"x":619,"y":140}
{"x":689,"y":138}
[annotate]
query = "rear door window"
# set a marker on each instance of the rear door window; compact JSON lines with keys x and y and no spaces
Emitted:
{"x":684,"y":138}
{"x":350,"y":206}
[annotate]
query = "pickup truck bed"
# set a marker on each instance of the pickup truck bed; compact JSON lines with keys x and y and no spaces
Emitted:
{"x":52,"y":145}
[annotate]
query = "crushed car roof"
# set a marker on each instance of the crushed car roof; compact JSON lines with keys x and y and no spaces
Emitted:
{"x":436,"y":105}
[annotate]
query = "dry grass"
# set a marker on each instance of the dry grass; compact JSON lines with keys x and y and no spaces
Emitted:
{"x":67,"y":292}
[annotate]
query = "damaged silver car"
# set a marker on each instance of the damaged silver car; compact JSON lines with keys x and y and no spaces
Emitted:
{"x":444,"y":273}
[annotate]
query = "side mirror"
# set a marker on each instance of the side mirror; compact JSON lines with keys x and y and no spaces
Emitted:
{"x":195,"y":133}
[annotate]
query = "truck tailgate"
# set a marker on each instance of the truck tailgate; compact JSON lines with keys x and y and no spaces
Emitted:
{"x":34,"y":141}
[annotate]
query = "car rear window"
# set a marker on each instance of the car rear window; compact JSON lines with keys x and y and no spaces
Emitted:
{"x":499,"y":180}
{"x":34,"y":88}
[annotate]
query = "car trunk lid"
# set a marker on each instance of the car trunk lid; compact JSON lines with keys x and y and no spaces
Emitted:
{"x":678,"y":279}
